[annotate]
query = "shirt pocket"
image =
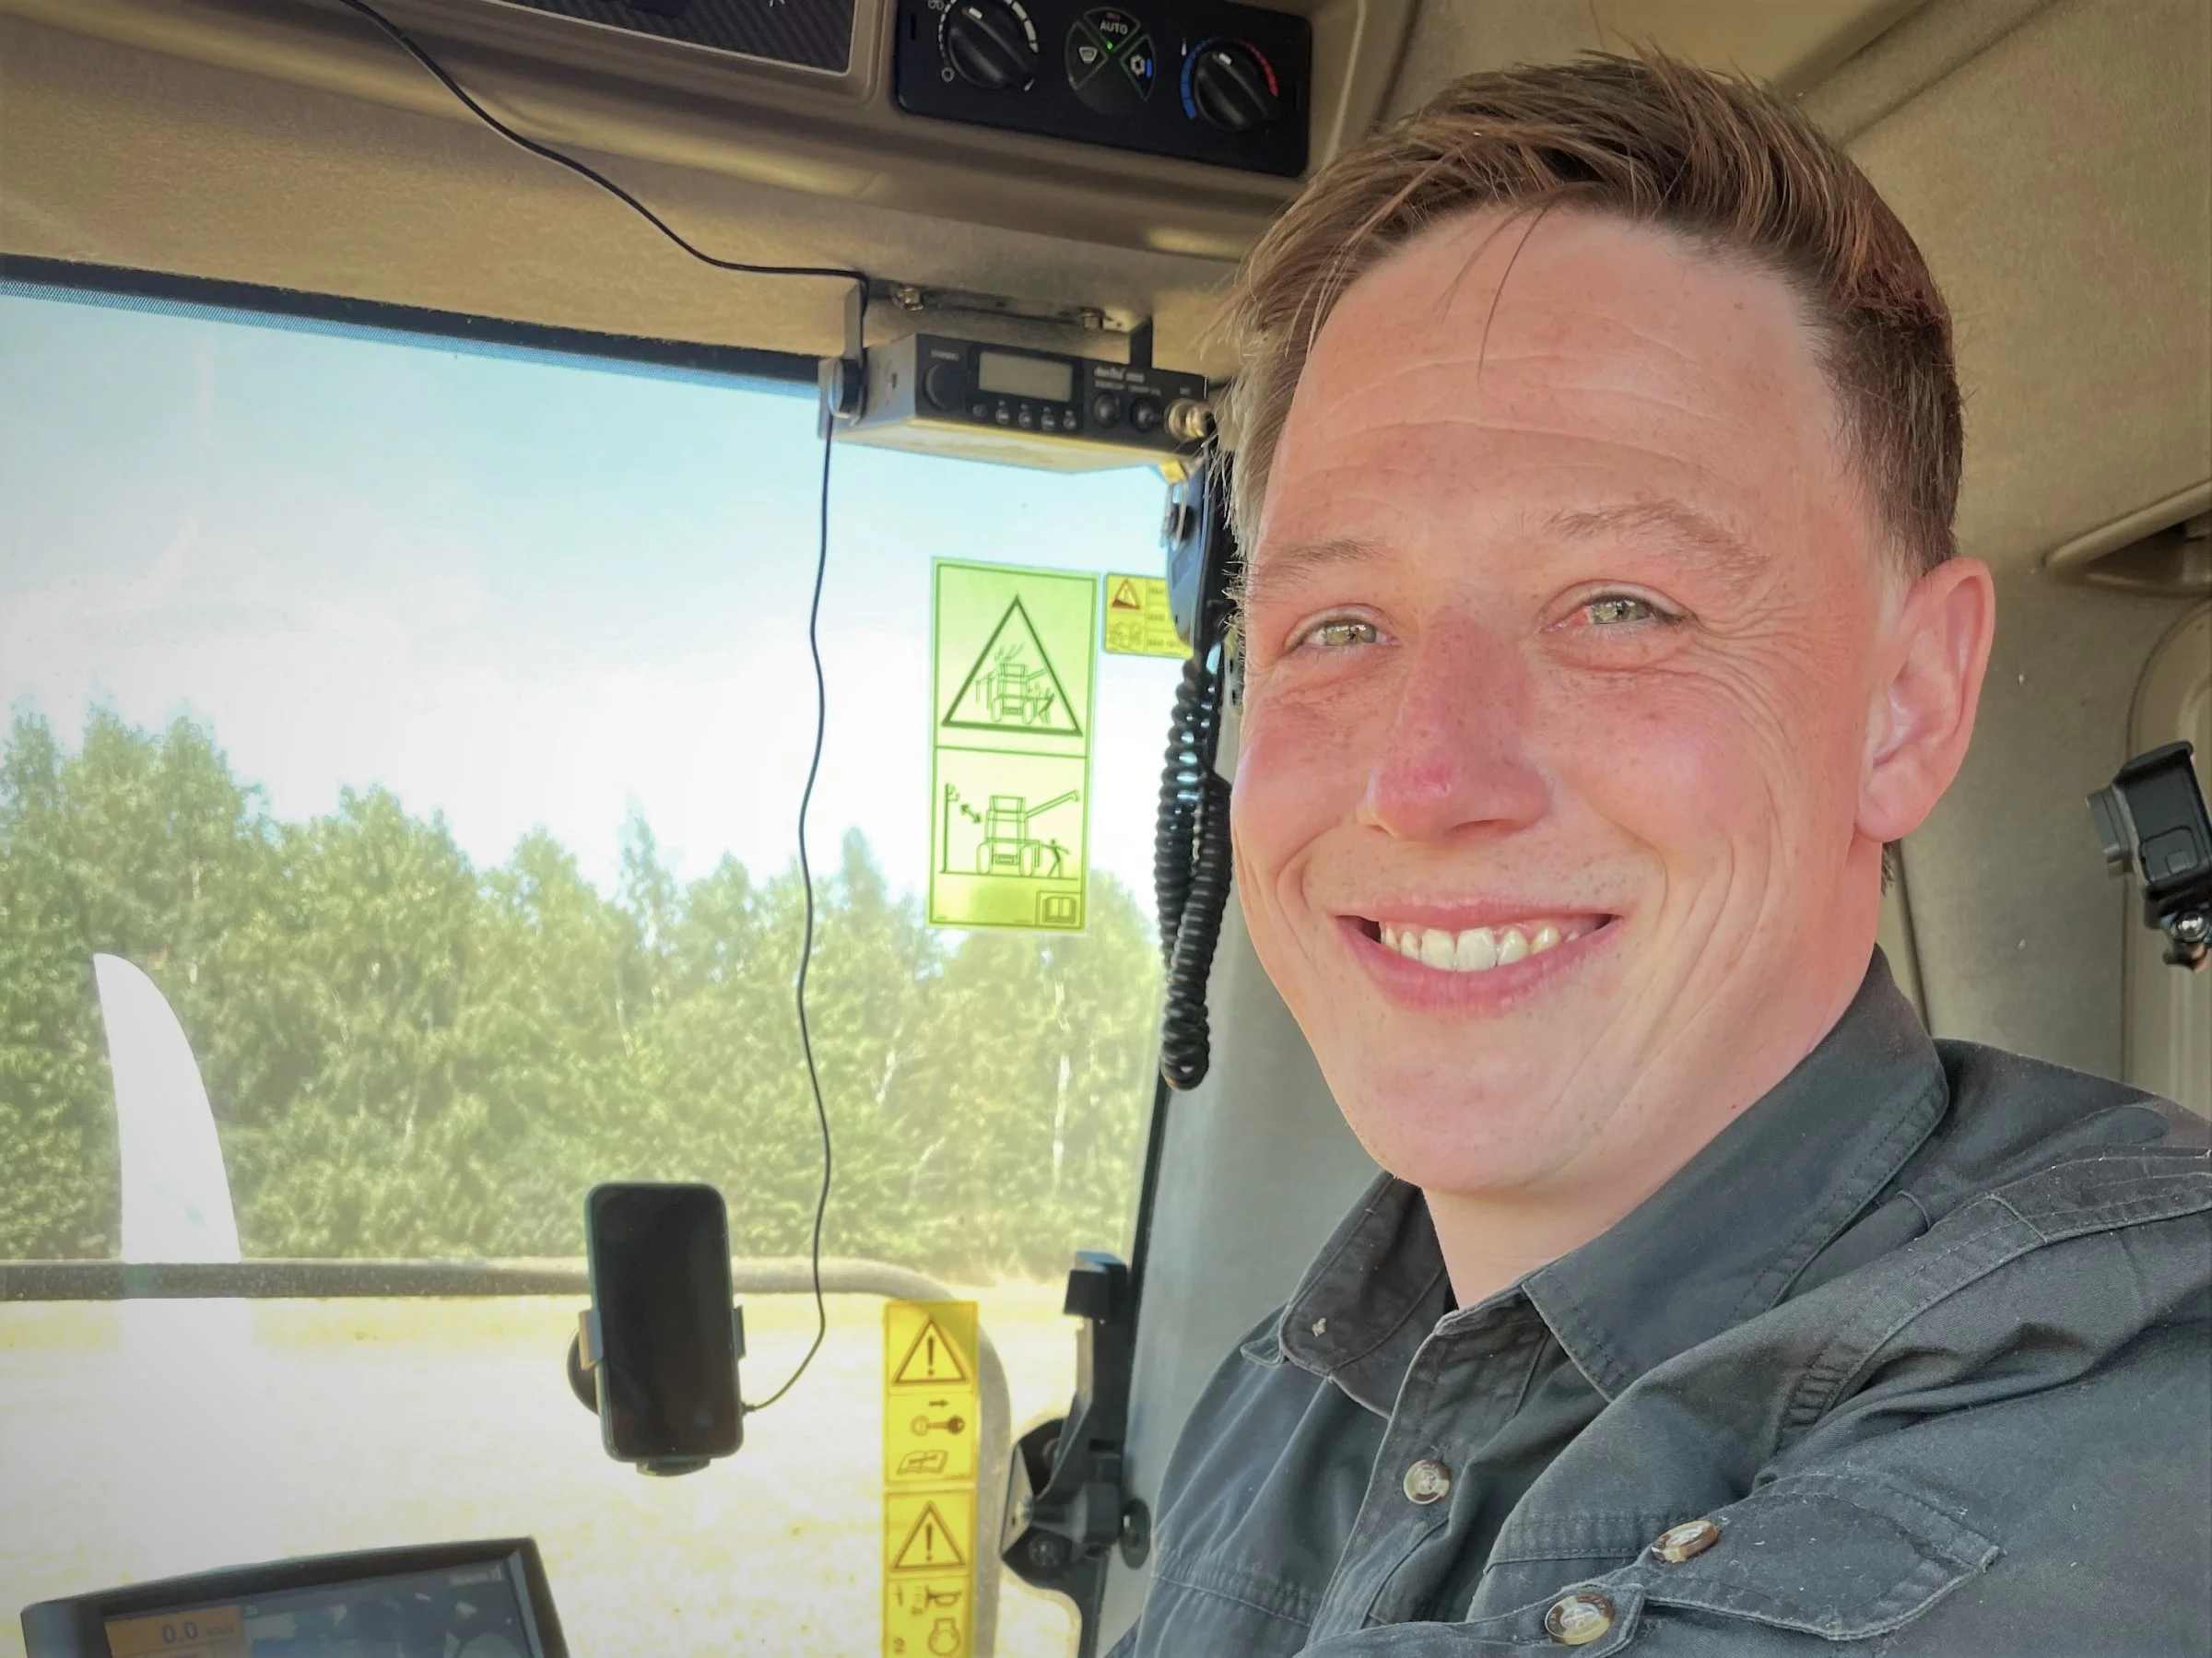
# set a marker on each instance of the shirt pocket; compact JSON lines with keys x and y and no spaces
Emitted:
{"x":1843,"y":1557}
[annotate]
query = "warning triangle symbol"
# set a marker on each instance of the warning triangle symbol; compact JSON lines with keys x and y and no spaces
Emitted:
{"x":1013,"y":684}
{"x":932,"y":1358}
{"x":930,"y":1546}
{"x":1125,"y":596}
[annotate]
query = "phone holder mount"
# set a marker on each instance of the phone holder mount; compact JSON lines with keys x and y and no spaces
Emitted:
{"x":1068,"y":1506}
{"x":587,"y":1352}
{"x":2152,"y":820}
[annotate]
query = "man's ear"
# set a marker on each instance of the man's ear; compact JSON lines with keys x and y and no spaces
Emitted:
{"x":1938,"y":639}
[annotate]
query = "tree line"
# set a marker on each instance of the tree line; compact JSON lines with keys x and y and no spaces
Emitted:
{"x":410,"y":1055}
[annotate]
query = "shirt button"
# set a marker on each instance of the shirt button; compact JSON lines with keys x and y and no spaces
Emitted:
{"x":1427,"y":1480}
{"x":1577,"y":1620}
{"x":1686,"y":1541}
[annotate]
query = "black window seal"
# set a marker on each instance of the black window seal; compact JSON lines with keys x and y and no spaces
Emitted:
{"x":221,"y":299}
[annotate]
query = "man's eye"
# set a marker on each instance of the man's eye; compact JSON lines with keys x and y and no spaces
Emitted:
{"x":1619,"y":607}
{"x":1344,"y":632}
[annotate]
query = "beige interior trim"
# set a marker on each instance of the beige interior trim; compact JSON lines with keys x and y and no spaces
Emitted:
{"x":1788,"y":43}
{"x":616,"y":93}
{"x":1918,"y":51}
{"x":2083,"y":550}
{"x":2169,"y":1011}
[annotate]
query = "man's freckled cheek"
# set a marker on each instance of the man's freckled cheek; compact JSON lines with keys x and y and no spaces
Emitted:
{"x":1689,"y":764}
{"x":1298,"y":765}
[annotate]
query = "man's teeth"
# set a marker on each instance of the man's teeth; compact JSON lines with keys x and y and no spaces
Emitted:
{"x":1474,"y":950}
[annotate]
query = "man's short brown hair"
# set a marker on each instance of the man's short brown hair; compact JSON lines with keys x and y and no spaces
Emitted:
{"x":1715,"y":158}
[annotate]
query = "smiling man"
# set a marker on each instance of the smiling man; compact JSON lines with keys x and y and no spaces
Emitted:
{"x":1597,"y":439}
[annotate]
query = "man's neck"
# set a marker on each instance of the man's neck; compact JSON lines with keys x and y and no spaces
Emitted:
{"x":1491,"y":1239}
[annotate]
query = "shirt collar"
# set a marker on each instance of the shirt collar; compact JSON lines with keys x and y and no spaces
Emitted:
{"x":1720,"y":1242}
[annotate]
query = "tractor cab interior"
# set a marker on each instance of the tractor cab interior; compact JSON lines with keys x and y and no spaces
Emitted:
{"x":592,"y":596}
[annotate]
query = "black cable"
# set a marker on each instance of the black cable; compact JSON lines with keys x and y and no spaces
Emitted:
{"x":1181,"y":781}
{"x":1191,"y":859}
{"x":814,"y":768}
{"x":1186,"y":1036}
{"x":407,"y":43}
{"x":1191,"y":869}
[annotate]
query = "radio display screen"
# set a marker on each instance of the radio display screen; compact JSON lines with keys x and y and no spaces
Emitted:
{"x":473,"y":1611}
{"x":1037,"y":377}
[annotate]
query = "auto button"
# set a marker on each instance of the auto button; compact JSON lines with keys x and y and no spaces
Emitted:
{"x":1112,"y":65}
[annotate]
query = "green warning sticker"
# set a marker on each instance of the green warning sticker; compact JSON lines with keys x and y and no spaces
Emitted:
{"x":1012,"y":652}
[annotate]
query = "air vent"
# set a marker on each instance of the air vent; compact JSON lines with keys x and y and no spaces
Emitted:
{"x":814,"y":34}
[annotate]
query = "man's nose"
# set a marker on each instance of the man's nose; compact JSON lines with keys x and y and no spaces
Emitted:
{"x":1455,"y":756}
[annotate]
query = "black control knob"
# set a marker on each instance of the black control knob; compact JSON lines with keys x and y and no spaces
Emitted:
{"x":1143,"y":415}
{"x":990,"y":43}
{"x":943,"y":384}
{"x":1230,"y":85}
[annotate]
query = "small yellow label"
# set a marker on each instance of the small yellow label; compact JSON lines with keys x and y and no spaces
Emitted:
{"x":931,"y":1422}
{"x":207,"y":1632}
{"x":1139,"y":621}
{"x":929,"y":1616}
{"x":930,"y":1532}
{"x":937,"y":1357}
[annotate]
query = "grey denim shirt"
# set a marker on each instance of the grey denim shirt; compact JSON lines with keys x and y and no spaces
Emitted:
{"x":1924,"y":1337}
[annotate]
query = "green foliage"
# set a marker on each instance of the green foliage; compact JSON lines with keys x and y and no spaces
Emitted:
{"x":409,"y":1056}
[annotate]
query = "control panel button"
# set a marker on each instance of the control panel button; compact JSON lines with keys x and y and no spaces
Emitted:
{"x":979,"y":410}
{"x":1106,"y":409}
{"x":989,"y":43}
{"x":1227,"y":85}
{"x":1112,"y":65}
{"x":1190,"y":421}
{"x":1144,"y":413}
{"x":942,"y":385}
{"x":1219,"y":83}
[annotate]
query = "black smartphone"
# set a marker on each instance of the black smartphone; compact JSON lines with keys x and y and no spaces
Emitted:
{"x":660,"y":1266}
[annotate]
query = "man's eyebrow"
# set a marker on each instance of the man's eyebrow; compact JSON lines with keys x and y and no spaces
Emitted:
{"x":1284,"y":568}
{"x":1671,"y":521}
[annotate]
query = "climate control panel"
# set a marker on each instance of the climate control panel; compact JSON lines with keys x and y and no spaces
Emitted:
{"x":1201,"y":80}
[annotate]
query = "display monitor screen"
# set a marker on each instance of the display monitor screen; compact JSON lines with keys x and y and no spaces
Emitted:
{"x":471,"y":1611}
{"x":1044,"y":378}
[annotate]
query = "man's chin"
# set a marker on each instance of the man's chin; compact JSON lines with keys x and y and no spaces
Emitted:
{"x":1458,"y":1133}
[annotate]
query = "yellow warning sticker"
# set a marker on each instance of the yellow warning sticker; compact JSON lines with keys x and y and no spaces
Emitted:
{"x":921,"y":1535}
{"x":1012,"y":654}
{"x":930,"y":1397}
{"x":1139,"y":621}
{"x":935,"y":1357}
{"x":932,"y":1421}
{"x":927,"y":1615}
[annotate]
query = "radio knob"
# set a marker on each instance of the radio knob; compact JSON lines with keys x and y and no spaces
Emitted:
{"x":942,"y":383}
{"x":1189,"y":419}
{"x":1231,"y":87}
{"x":1144,"y":413}
{"x":990,"y":43}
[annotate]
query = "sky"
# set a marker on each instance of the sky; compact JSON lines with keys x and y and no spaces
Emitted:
{"x":521,"y":592}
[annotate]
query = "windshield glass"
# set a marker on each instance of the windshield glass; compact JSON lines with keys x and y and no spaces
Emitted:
{"x":428,"y":725}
